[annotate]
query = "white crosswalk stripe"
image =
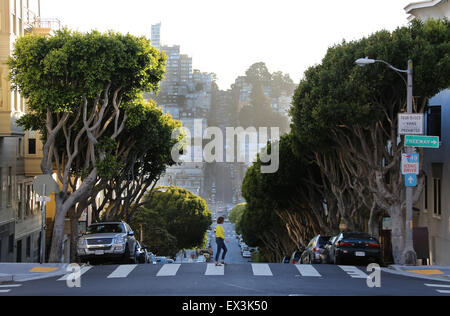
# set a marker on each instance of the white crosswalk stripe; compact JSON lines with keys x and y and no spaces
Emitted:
{"x":307,"y":270}
{"x":122,"y":271}
{"x":169,"y":269}
{"x":7,"y":287}
{"x":445,"y":286}
{"x":354,"y":272}
{"x":83,"y":270}
{"x":262,"y":269}
{"x":212,"y":269}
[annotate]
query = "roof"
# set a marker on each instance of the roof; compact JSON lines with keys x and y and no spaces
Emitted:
{"x":410,"y":8}
{"x":422,"y":4}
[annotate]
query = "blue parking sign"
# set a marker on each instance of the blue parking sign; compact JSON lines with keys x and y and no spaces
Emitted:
{"x":411,"y":180}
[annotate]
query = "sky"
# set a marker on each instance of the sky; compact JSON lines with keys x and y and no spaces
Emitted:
{"x":227,"y":36}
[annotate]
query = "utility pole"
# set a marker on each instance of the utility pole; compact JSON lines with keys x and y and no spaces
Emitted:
{"x":409,"y":255}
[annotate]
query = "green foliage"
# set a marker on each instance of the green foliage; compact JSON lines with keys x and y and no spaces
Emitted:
{"x":236,"y":216}
{"x":186,"y":216}
{"x":155,"y":235}
{"x":55,"y":72}
{"x":340,"y":93}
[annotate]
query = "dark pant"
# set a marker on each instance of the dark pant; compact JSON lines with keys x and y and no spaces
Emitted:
{"x":220,"y":245}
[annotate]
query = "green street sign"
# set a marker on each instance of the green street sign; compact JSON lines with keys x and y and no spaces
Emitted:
{"x":422,"y":141}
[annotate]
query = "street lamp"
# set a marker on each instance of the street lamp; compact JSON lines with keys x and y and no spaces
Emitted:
{"x":409,"y":256}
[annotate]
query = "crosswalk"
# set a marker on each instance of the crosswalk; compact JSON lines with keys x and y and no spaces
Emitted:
{"x":443,"y":286}
{"x":210,"y":269}
{"x":8,"y":287}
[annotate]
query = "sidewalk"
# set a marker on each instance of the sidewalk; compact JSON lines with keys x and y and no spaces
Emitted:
{"x":19,"y":272}
{"x":436,"y":273}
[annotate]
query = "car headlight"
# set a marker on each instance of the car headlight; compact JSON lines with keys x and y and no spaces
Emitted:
{"x":81,"y":242}
{"x":119,"y":240}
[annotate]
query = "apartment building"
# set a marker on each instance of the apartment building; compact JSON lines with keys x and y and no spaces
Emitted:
{"x":20,"y":151}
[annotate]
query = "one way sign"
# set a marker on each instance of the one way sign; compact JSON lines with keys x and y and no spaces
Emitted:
{"x":410,"y":180}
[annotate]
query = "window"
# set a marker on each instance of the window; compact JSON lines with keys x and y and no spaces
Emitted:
{"x":437,"y":196}
{"x":31,"y":146}
{"x":1,"y":187}
{"x":11,"y":244}
{"x":9,"y":186}
{"x":20,"y":147}
{"x":20,"y":202}
{"x":28,"y":247}
{"x":434,"y":121}
{"x":426,"y":193}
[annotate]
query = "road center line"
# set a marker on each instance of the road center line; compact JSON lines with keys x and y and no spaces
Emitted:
{"x":11,"y":285}
{"x":438,"y":285}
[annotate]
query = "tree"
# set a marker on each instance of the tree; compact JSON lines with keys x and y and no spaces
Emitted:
{"x":186,"y":215}
{"x":236,"y":216}
{"x":354,"y":110}
{"x":144,"y":152}
{"x":78,"y":88}
{"x":155,"y":235}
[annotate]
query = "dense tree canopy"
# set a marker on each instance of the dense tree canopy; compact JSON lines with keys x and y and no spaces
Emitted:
{"x":186,"y":216}
{"x":79,"y":88}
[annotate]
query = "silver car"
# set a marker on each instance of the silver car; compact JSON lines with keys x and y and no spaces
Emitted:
{"x":107,"y":241}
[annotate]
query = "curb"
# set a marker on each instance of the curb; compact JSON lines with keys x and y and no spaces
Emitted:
{"x":6,"y":278}
{"x":395,"y":270}
{"x":22,"y":277}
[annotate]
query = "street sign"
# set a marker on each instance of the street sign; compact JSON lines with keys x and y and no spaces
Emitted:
{"x":422,"y":141}
{"x":410,"y":180}
{"x":410,"y":124}
{"x":50,"y":185}
{"x":410,"y":163}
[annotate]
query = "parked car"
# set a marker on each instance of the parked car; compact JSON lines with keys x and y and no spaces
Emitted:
{"x":151,"y":258}
{"x":246,"y":254}
{"x":314,"y":251}
{"x":141,"y":253}
{"x":161,"y":260}
{"x":296,"y":255}
{"x":108,"y":241}
{"x":355,"y":247}
{"x":328,"y":252}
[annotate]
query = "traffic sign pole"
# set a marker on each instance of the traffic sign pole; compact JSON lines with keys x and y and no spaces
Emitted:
{"x":42,"y":259}
{"x":409,"y":247}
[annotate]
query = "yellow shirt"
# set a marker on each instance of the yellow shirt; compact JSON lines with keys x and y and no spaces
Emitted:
{"x":220,"y":232}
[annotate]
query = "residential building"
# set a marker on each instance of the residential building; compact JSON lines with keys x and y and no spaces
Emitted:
{"x":433,"y":209}
{"x":20,"y":151}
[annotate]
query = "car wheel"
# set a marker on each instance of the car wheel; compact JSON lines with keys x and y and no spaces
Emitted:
{"x":337,"y":260}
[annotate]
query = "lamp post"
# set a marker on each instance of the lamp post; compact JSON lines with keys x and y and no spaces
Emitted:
{"x":409,"y":256}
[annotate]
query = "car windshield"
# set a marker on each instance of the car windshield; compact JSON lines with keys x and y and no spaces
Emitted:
{"x":105,"y":228}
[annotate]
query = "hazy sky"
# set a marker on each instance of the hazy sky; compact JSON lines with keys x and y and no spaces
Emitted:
{"x":227,"y":36}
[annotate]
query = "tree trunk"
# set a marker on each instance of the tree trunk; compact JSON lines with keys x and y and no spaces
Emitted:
{"x":58,"y":231}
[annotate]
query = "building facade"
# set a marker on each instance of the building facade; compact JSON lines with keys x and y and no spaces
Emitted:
{"x":20,"y":151}
{"x":433,"y":209}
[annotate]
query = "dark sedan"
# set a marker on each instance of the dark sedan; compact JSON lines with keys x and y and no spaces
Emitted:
{"x":354,"y":248}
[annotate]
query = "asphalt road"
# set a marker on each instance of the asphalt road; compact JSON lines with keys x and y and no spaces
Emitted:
{"x":201,"y":279}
